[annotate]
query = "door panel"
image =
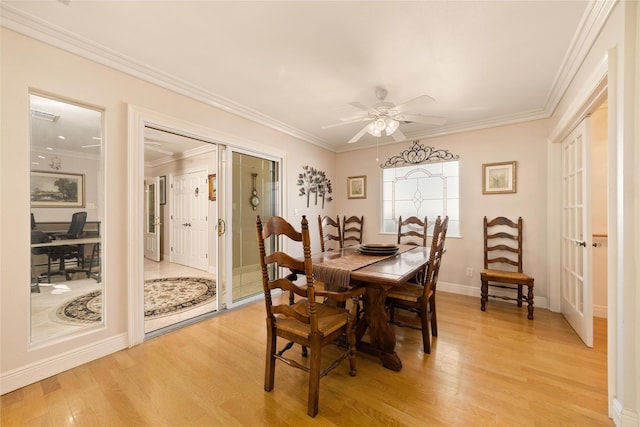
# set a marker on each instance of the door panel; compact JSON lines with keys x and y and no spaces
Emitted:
{"x":577,"y":291}
{"x":189,"y":234}
{"x":244,"y":268}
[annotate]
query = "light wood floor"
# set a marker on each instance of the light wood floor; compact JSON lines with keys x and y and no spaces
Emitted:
{"x":486,"y":369}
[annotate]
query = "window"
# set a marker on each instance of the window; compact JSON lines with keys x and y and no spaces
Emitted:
{"x":428,"y":189}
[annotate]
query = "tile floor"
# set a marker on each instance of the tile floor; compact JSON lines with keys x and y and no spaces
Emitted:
{"x":46,"y":326}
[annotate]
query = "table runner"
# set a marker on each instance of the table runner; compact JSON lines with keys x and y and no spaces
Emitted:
{"x":336,"y":272}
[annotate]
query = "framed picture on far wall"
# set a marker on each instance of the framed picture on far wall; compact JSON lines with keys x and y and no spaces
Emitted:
{"x":357,"y":187}
{"x":57,"y":190}
{"x":499,"y":178}
{"x":212,"y":187}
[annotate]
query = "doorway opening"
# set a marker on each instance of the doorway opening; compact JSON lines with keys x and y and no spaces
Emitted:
{"x":180,"y":261}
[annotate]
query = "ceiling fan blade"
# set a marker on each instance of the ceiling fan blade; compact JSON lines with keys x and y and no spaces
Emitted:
{"x":398,"y":136}
{"x":359,"y":135}
{"x":419,"y":118}
{"x":366,"y":108}
{"x":413,"y":103}
{"x":348,"y":122}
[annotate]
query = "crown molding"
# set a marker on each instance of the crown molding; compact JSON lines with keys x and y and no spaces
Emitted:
{"x":590,"y":26}
{"x":56,"y":36}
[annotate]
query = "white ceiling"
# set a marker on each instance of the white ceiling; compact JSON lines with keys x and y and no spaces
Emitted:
{"x":295,"y":66}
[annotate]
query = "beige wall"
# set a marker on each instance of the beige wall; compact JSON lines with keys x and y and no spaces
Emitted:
{"x":599,"y":197}
{"x":524,"y":143}
{"x":28,"y":64}
{"x":616,"y":51}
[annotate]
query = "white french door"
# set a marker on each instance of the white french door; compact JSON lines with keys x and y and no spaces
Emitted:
{"x":189,"y":219}
{"x":576,"y":282}
{"x":152,"y":219}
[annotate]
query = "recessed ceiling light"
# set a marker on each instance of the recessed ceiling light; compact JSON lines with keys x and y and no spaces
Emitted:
{"x":41,"y":157}
{"x":61,"y":137}
{"x":50,"y":148}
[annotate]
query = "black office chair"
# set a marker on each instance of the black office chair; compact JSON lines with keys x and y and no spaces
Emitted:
{"x":76,"y":228}
{"x":69,"y":252}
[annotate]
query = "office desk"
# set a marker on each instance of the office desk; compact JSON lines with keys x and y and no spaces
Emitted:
{"x":70,"y":242}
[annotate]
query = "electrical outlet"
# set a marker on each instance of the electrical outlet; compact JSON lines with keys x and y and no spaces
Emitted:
{"x":469,"y":272}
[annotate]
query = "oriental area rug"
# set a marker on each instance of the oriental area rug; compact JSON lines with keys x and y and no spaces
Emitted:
{"x":162,"y":297}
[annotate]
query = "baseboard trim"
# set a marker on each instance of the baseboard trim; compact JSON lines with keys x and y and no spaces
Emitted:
{"x":624,"y":417}
{"x":29,"y":374}
{"x":474,"y":291}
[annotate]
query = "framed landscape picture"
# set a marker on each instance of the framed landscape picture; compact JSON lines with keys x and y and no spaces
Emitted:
{"x":357,"y":187}
{"x":499,"y":178}
{"x":57,"y":190}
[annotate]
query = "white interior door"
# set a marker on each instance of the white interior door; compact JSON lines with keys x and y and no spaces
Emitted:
{"x":189,"y":236}
{"x":577,"y":288}
{"x":152,"y":219}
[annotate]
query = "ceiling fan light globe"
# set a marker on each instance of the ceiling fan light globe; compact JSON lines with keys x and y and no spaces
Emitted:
{"x":391,"y":126}
{"x":373,"y":129}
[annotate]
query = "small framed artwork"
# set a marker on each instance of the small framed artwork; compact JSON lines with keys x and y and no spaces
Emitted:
{"x":357,"y":187}
{"x":499,"y":178}
{"x":163,"y":190}
{"x":212,"y":187}
{"x":57,"y":190}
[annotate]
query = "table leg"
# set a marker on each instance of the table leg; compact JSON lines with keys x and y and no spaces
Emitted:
{"x":381,"y":334}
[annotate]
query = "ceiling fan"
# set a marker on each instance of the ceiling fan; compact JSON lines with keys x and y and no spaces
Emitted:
{"x":386,"y":116}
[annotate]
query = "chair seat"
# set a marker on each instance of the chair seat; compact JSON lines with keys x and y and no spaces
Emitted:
{"x":407,"y":292}
{"x":506,"y":277}
{"x":330,"y":319}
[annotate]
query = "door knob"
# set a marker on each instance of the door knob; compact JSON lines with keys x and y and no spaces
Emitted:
{"x":596,"y":245}
{"x":582,"y":243}
{"x":221,"y":226}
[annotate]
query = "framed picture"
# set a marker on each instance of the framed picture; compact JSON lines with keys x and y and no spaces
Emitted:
{"x":163,"y":190}
{"x":57,"y":190}
{"x":212,"y":187}
{"x":357,"y":187}
{"x":499,"y":178}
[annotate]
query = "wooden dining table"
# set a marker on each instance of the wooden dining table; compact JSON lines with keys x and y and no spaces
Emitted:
{"x":378,"y":273}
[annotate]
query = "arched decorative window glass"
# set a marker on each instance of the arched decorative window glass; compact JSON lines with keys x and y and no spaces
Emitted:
{"x":421,"y":181}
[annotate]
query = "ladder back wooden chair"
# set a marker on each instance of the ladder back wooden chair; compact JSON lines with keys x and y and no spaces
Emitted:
{"x":352,"y":230}
{"x":412,"y":231}
{"x":310,"y":324}
{"x":420,"y":298}
{"x":503,"y":262}
{"x":329,"y":229}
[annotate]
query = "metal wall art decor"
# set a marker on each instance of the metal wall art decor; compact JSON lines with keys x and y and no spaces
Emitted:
{"x":417,"y":155}
{"x":314,"y":181}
